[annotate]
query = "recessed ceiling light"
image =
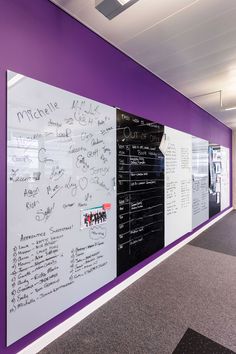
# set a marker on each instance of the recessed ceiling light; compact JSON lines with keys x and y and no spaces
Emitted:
{"x":112,"y":8}
{"x":230,"y":109}
{"x":123,"y":2}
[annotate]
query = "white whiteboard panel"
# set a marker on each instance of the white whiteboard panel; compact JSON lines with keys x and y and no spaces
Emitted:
{"x":61,"y":161}
{"x":200,"y":183}
{"x":225,"y":178}
{"x":178,"y":184}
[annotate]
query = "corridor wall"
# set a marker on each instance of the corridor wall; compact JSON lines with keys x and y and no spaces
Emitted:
{"x":39,"y":40}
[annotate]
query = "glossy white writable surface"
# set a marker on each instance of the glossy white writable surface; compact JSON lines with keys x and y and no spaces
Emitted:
{"x":200,"y":181}
{"x":61,"y":160}
{"x":178,"y":184}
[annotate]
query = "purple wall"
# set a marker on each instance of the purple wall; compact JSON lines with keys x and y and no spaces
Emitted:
{"x":39,"y":40}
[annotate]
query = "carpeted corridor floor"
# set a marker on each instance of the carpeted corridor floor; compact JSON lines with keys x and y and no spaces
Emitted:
{"x":185,"y":305}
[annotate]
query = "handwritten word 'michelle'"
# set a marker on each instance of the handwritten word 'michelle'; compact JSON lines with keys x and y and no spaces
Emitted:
{"x":38,"y":113}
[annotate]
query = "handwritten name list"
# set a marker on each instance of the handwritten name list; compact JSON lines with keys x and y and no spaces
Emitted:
{"x":61,"y":160}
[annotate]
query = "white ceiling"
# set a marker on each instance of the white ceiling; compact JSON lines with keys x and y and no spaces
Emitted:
{"x":190,"y":44}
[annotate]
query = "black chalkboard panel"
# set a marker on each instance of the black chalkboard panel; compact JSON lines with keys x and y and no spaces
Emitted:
{"x":140,"y":190}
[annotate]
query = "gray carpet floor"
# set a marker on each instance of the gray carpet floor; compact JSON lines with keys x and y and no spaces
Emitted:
{"x":221,"y":237}
{"x":194,"y":288}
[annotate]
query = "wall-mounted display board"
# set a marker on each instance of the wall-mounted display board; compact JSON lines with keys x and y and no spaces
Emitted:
{"x":225,"y":178}
{"x":214,"y":179}
{"x":91,"y":192}
{"x":140,"y":190}
{"x":200,"y":201}
{"x":177,"y":149}
{"x":61,"y":222}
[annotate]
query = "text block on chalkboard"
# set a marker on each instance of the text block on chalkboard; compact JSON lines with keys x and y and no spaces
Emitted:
{"x":140,"y":190}
{"x":61,"y":161}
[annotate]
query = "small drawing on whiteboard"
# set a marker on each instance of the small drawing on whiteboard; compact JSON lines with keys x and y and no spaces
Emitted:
{"x":93,"y":216}
{"x":97,"y":233}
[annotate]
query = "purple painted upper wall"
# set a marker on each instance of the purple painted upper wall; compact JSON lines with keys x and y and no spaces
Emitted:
{"x":39,"y":40}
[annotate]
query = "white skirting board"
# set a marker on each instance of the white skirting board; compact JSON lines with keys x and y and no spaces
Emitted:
{"x":57,"y":331}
